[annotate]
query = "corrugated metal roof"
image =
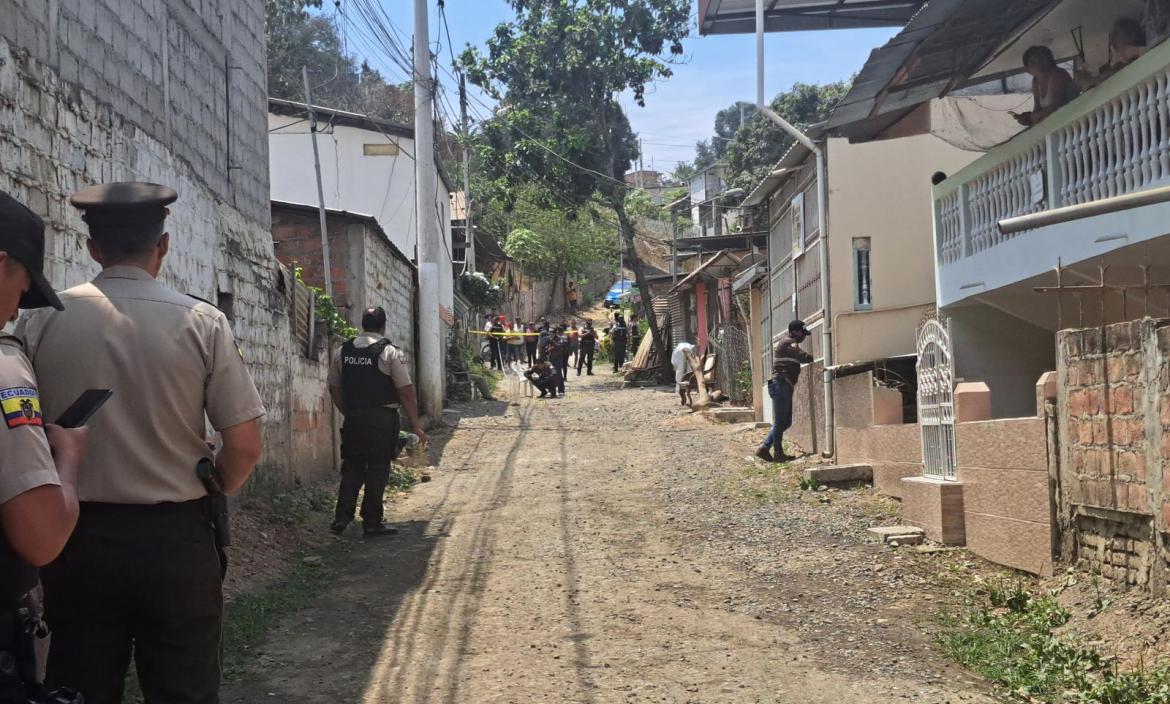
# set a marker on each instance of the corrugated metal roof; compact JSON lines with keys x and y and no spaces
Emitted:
{"x":739,"y":16}
{"x":942,"y":46}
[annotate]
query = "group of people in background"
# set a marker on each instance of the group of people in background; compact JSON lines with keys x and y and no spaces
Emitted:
{"x":551,"y":351}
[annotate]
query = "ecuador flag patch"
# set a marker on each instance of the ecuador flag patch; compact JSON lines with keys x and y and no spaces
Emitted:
{"x":21,"y":406}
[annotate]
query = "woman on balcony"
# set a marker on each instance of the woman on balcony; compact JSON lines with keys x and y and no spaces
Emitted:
{"x":1127,"y":42}
{"x":1052,"y":86}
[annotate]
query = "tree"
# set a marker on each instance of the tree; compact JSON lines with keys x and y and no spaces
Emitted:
{"x":299,"y":38}
{"x":552,"y":243}
{"x":558,"y":68}
{"x":754,"y":150}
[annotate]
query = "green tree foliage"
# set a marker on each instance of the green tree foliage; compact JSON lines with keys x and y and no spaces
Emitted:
{"x":298,"y":37}
{"x":754,"y":150}
{"x":553,"y":243}
{"x":751,"y":148}
{"x":558,"y":69}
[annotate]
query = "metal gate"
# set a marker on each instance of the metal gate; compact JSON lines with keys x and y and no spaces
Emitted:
{"x":936,"y":399}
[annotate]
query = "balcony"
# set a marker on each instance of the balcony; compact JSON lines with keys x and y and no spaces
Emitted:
{"x":1113,"y":140}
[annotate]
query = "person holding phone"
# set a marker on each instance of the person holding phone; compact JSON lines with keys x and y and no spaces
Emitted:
{"x":140,"y":577}
{"x":38,"y":460}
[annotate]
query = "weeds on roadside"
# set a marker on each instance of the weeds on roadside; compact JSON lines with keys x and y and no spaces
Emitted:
{"x":1006,"y":633}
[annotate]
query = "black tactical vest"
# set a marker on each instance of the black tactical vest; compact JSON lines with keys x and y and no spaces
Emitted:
{"x":363,"y":386}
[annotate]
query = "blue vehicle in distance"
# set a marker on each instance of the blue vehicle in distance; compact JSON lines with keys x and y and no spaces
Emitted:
{"x":620,"y":293}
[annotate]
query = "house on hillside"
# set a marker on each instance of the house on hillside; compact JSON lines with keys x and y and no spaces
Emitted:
{"x":368,"y":167}
{"x":1042,"y":427}
{"x":880,"y":268}
{"x":373,"y":271}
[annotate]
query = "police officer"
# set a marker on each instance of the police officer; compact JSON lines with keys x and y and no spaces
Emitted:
{"x":619,"y":340}
{"x":38,"y":461}
{"x":369,"y":382}
{"x":141,"y":574}
{"x":635,"y":334}
{"x":588,"y":347}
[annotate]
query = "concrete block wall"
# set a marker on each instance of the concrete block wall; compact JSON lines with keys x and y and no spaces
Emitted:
{"x":174,"y":92}
{"x":1114,"y":421}
{"x":808,"y":411}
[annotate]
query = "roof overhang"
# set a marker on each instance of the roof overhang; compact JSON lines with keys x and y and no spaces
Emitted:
{"x":943,"y":46}
{"x":739,"y":242}
{"x":721,"y":265}
{"x":739,"y":16}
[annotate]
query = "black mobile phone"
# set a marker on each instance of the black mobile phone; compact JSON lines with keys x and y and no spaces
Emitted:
{"x":84,"y":407}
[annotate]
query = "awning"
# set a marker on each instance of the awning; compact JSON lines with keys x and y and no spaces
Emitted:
{"x":739,"y":16}
{"x":718,"y":266}
{"x":942,"y":46}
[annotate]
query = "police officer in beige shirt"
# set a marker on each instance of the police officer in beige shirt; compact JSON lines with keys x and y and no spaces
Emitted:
{"x":141,"y":573}
{"x":369,"y":383}
{"x":38,"y":460}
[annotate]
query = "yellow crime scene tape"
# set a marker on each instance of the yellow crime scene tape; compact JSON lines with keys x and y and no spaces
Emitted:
{"x":505,"y":334}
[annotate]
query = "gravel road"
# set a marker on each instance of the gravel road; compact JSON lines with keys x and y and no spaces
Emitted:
{"x":609,"y":547}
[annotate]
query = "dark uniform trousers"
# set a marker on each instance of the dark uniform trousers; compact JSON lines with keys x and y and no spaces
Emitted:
{"x":369,"y":443}
{"x":585,"y":359}
{"x":618,"y":352}
{"x":141,"y":581}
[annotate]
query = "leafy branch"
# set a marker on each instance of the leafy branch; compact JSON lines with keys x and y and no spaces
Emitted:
{"x":327,"y":311}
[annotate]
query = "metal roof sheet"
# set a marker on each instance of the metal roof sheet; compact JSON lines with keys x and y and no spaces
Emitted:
{"x":739,"y":16}
{"x":942,"y":46}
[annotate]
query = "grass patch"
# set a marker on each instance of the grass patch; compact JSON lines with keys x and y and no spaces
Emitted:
{"x":1005,"y":632}
{"x":765,"y":483}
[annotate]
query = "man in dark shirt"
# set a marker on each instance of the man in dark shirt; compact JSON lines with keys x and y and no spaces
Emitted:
{"x":786,"y":364}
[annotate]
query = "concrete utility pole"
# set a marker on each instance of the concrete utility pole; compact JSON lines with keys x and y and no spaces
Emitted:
{"x":326,"y":262}
{"x":469,"y":253}
{"x":430,"y":327}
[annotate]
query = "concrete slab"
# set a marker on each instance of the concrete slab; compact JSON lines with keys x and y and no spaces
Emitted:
{"x":902,"y":535}
{"x":732,"y":415}
{"x":839,"y":473}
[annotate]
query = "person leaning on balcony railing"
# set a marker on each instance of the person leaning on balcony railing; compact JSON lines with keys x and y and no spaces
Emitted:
{"x":1127,"y":42}
{"x":1052,"y":86}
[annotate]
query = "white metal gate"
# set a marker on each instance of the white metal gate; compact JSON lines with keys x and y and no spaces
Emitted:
{"x":936,"y":399}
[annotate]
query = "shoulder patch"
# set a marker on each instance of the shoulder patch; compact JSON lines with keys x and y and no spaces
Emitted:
{"x":21,"y":405}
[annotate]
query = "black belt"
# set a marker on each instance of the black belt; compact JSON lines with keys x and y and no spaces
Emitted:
{"x":166,"y":508}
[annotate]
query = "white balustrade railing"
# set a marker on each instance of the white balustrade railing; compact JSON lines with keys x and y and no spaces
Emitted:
{"x":1113,"y":140}
{"x":1005,"y":192}
{"x":950,"y":228}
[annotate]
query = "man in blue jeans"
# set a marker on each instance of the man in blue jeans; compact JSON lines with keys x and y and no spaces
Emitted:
{"x":786,"y":362}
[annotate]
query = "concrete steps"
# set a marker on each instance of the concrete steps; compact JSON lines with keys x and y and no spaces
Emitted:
{"x":731,"y":414}
{"x":839,"y":474}
{"x":899,"y":535}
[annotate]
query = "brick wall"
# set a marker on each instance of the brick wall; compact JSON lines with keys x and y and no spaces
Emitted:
{"x":367,"y":269}
{"x":1114,"y":510}
{"x":173,"y":92}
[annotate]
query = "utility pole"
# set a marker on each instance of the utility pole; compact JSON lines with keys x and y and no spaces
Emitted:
{"x":430,"y":329}
{"x":326,"y":262}
{"x":469,"y":231}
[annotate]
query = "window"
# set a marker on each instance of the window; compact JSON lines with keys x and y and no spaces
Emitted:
{"x":798,"y":231}
{"x":862,"y":280}
{"x":380,"y":149}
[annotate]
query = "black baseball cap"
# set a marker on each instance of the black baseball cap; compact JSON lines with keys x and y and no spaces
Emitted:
{"x":797,"y":326}
{"x":22,"y":236}
{"x":374,"y":319}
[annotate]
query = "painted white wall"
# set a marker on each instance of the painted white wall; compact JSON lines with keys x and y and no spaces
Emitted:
{"x":381,"y":186}
{"x":882,"y":190}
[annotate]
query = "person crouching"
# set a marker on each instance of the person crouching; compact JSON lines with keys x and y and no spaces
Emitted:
{"x":546,"y":378}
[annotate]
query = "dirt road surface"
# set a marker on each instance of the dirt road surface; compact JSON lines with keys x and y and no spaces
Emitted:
{"x":607,"y":547}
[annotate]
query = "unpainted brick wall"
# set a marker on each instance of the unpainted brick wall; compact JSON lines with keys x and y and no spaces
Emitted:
{"x":172,"y":92}
{"x":1114,"y":427}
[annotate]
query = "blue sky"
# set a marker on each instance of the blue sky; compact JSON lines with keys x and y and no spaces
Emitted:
{"x":718,"y":71}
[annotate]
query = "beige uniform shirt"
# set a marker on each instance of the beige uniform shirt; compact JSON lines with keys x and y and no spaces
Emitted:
{"x":168,"y":358}
{"x":392,"y":363}
{"x":25,"y":460}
